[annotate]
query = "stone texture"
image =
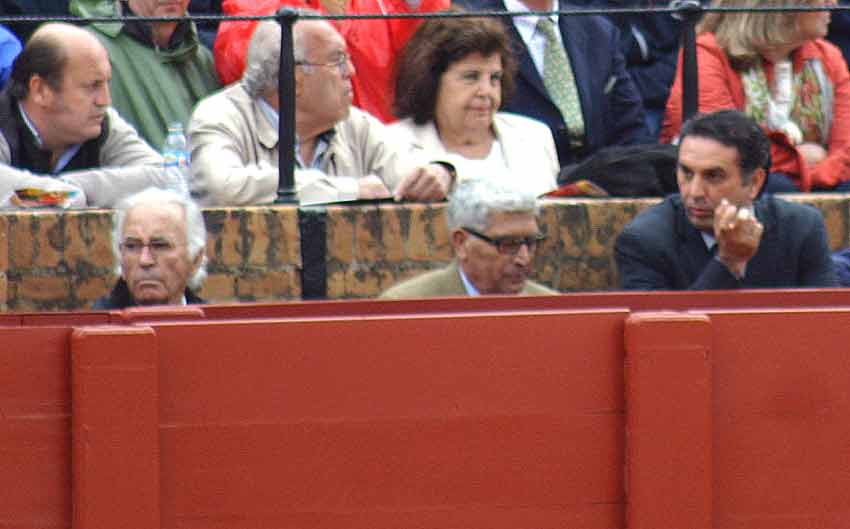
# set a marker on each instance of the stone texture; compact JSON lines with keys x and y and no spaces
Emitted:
{"x":53,"y":260}
{"x":88,"y":290}
{"x":89,"y":241}
{"x":218,"y":287}
{"x":23,"y":242}
{"x":258,"y":285}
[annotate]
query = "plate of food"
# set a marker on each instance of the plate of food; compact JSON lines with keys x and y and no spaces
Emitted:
{"x":31,"y":197}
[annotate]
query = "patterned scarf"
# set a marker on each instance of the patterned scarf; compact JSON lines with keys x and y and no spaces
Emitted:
{"x":811,"y":105}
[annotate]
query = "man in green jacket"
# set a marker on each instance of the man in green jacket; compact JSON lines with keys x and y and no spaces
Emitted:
{"x":159,"y":69}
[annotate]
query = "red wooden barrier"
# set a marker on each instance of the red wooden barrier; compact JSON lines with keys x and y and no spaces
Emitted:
{"x":35,"y":396}
{"x":159,"y":313}
{"x":669,"y":421}
{"x":576,"y":301}
{"x":781,"y":431}
{"x":759,"y":440}
{"x":53,"y":319}
{"x":496,"y":421}
{"x":115,"y":375}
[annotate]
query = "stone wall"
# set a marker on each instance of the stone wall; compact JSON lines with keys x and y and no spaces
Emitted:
{"x":63,"y":260}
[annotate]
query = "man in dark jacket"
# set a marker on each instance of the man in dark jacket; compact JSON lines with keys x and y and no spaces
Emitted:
{"x":717,"y":234}
{"x":159,"y":240}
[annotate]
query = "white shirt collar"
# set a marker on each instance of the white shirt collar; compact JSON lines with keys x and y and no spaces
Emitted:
{"x":708,"y":239}
{"x":467,"y":284}
{"x":66,"y":156}
{"x":270,"y":113}
{"x":534,"y":40}
{"x":528,"y":25}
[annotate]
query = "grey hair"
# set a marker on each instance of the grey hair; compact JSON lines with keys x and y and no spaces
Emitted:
{"x":474,"y":201}
{"x":262,"y":64}
{"x":196,"y":231}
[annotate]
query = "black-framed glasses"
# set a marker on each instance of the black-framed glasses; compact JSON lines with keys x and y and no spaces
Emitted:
{"x":509,"y":245}
{"x":156,"y":247}
{"x":340,"y":63}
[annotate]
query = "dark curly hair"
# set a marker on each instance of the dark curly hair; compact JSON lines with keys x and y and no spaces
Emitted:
{"x":436,"y":45}
{"x":735,"y":129}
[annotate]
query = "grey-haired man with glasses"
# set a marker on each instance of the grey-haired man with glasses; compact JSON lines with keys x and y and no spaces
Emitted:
{"x":342,"y":153}
{"x":494,"y":232}
{"x":159,"y":241}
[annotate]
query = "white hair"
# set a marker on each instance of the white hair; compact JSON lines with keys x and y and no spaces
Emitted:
{"x":474,"y":201}
{"x":196,"y":231}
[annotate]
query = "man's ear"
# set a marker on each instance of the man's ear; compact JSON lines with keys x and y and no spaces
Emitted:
{"x":40,"y":92}
{"x":458,"y":239}
{"x":757,"y":181}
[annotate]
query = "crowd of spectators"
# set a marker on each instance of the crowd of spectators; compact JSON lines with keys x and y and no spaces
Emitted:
{"x":406,"y":108}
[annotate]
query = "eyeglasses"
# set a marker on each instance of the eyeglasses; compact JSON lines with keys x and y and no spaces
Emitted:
{"x":340,"y":63}
{"x":509,"y":245}
{"x":156,"y":247}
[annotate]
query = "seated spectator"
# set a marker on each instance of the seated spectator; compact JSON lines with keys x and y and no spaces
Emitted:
{"x":494,"y":233}
{"x":10,"y":47}
{"x":373,"y":44}
{"x":159,"y":69}
{"x":58,"y":130}
{"x":778,"y":69}
{"x":650,"y":44}
{"x":159,"y":241}
{"x":452,"y":78}
{"x":716,"y":234}
{"x":342,"y":153}
{"x":578,"y":85}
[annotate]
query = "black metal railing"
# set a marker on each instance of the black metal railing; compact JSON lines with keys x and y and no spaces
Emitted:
{"x":689,"y":11}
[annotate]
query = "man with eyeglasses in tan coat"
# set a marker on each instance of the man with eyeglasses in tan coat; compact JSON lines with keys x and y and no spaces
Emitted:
{"x":494,"y":233}
{"x":341,"y":152}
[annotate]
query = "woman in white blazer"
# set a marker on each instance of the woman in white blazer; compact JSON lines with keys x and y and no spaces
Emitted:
{"x":451,"y":80}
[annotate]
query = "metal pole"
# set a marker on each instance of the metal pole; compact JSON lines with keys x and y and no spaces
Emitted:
{"x":689,"y":11}
{"x":286,"y":104}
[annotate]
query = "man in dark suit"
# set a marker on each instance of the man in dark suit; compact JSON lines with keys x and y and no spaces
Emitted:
{"x":650,"y":44}
{"x":494,"y":234}
{"x":610,"y":103}
{"x":717,"y":234}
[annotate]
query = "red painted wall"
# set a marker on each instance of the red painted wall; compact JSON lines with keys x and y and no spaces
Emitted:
{"x":514,"y":419}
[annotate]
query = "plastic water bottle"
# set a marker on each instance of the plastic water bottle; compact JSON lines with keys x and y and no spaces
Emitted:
{"x":176,"y":163}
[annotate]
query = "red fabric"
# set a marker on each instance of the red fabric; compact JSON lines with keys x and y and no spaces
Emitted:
{"x":720,"y":87}
{"x":373,"y":44}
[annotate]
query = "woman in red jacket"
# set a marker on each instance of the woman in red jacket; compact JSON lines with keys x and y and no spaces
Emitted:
{"x":778,"y":69}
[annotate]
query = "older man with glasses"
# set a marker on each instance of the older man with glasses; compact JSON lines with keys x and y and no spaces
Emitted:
{"x":341,"y":153}
{"x":159,"y":240}
{"x":494,"y":233}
